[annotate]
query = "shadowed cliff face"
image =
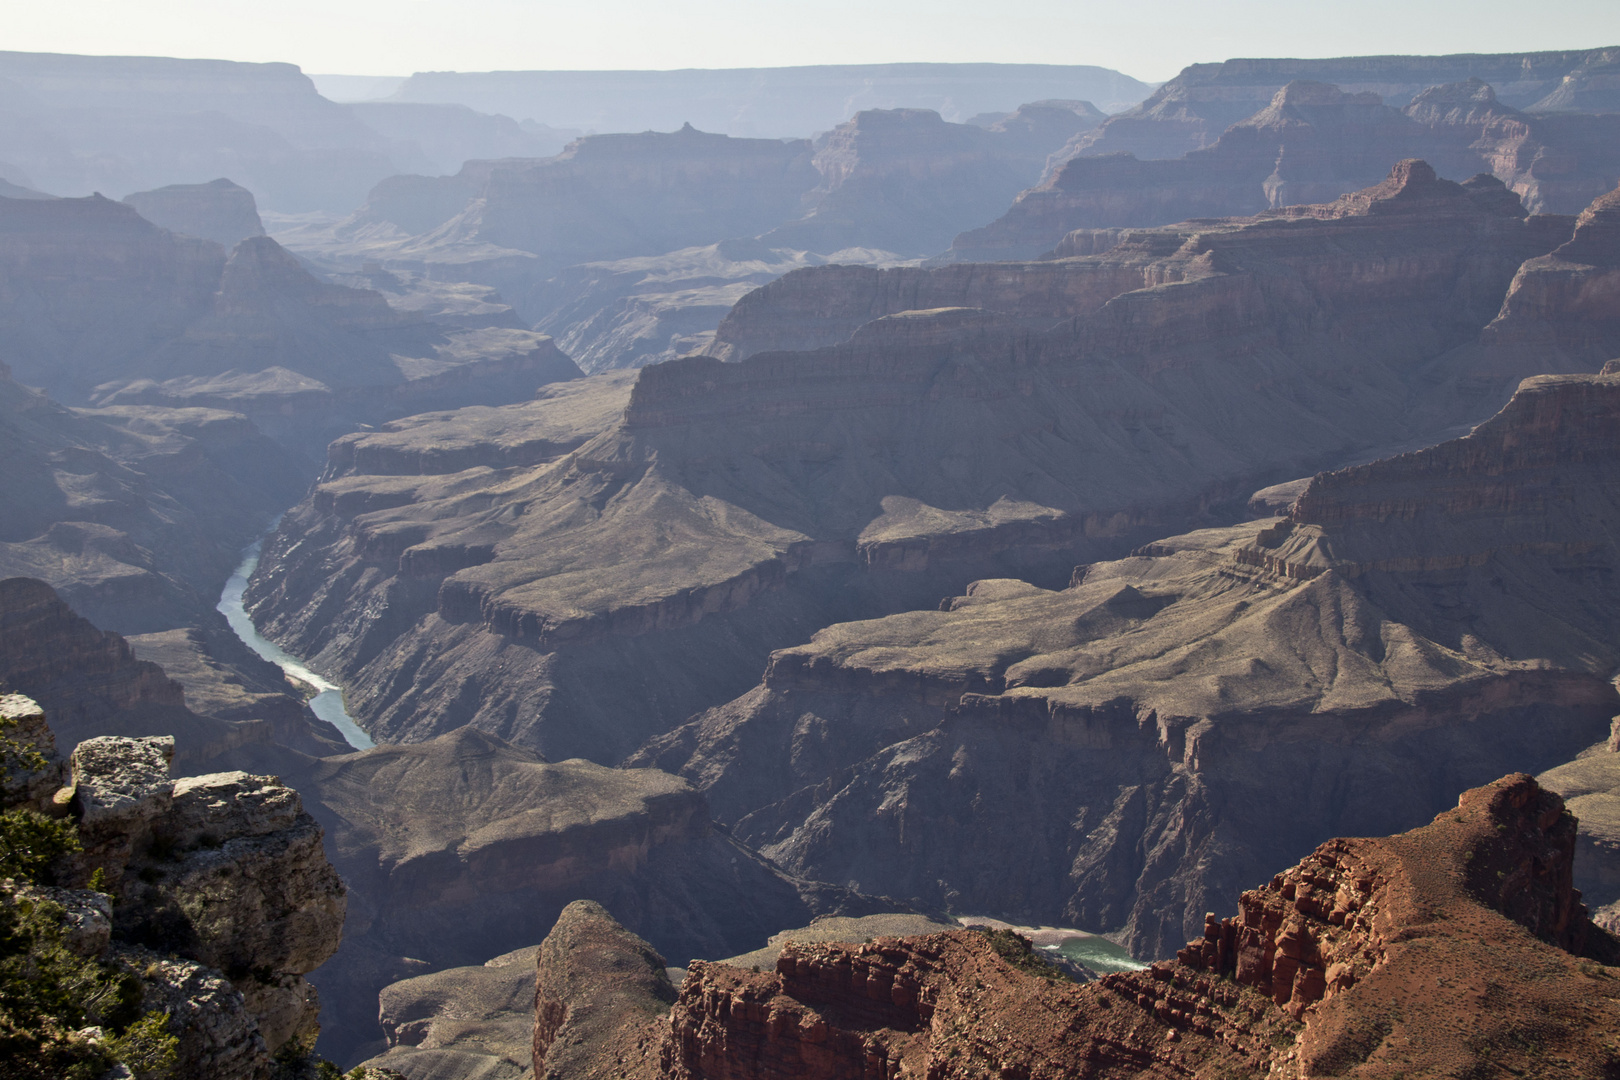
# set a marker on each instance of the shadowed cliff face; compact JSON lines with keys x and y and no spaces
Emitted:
{"x":93,"y":684}
{"x":1312,"y":142}
{"x":138,"y":515}
{"x":738,"y":503}
{"x":1174,"y":722}
{"x":1330,"y":970}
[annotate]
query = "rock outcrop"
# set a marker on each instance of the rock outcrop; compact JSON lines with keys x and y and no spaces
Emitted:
{"x":466,"y":1021}
{"x":224,"y":869}
{"x":219,"y":211}
{"x":1156,"y":732}
{"x":211,"y":891}
{"x":596,"y":985}
{"x":1192,"y":110}
{"x":737,"y":503}
{"x":1447,"y":949}
{"x":628,"y":313}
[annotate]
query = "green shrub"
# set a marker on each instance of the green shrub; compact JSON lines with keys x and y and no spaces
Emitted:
{"x":30,"y":842}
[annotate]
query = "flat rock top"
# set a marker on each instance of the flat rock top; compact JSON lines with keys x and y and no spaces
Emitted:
{"x":839,"y":928}
{"x":465,"y":790}
{"x":560,"y":412}
{"x":19,"y":707}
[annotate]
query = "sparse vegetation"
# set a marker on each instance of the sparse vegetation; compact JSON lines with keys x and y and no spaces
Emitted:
{"x":51,"y":1000}
{"x":1018,"y":951}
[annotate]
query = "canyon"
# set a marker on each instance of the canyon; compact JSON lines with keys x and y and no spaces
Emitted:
{"x":755,"y":548}
{"x":1173,"y":722}
{"x":734,"y":508}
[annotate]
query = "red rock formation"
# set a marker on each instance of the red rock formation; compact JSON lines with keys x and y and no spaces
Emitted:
{"x":1437,"y":952}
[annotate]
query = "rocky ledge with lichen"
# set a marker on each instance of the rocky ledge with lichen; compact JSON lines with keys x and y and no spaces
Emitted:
{"x":212,"y":891}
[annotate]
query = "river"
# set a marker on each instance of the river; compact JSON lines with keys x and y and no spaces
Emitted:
{"x":328,"y":701}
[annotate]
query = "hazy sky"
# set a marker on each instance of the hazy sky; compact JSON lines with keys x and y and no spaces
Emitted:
{"x":1150,"y":40}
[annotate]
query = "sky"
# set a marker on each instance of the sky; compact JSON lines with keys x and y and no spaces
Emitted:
{"x":1151,"y":41}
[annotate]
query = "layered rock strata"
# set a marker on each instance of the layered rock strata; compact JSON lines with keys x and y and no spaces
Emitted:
{"x":1330,"y":970}
{"x":105,"y":305}
{"x":465,"y":1021}
{"x":737,"y":504}
{"x":1193,"y":109}
{"x":904,"y":180}
{"x":1159,"y":728}
{"x":224,"y":869}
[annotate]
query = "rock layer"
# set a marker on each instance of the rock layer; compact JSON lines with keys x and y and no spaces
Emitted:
{"x":464,"y":846}
{"x":1310,"y":143}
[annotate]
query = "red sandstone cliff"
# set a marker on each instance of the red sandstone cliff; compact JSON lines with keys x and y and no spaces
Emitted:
{"x":1448,"y":949}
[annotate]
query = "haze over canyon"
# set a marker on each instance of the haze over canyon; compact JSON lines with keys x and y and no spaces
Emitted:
{"x":932,"y":570}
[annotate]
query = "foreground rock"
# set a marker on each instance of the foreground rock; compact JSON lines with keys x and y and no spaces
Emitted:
{"x":224,"y":897}
{"x":737,"y":507}
{"x":1155,"y":734}
{"x":1329,"y":971}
